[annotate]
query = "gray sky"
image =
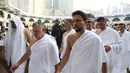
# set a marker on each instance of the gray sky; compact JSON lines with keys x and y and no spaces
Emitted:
{"x":97,"y":4}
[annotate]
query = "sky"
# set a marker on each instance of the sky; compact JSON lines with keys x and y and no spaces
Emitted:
{"x":97,"y":4}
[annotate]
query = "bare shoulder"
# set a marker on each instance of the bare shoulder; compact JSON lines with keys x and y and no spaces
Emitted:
{"x":33,"y":41}
{"x":71,"y":39}
{"x":27,"y":35}
{"x":72,"y":36}
{"x":26,"y":30}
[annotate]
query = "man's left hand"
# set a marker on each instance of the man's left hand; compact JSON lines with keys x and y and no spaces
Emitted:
{"x":107,"y":48}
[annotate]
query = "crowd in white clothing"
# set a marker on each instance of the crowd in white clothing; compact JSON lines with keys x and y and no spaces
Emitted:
{"x":85,"y":47}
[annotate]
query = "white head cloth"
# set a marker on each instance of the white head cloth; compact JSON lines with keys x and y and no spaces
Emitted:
{"x":15,"y":42}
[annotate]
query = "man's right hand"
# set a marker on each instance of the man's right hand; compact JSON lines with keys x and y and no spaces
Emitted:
{"x":14,"y":67}
{"x":107,"y":48}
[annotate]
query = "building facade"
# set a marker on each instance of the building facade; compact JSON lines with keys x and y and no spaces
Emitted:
{"x":29,"y":6}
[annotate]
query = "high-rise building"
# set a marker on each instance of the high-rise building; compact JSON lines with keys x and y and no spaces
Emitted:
{"x":115,"y":10}
{"x":21,"y":4}
{"x":109,"y":10}
{"x":125,"y":8}
{"x":66,"y":6}
{"x":30,"y":6}
{"x":39,"y":7}
{"x":3,"y":2}
{"x":59,"y":7}
{"x":48,"y":4}
{"x":52,"y":4}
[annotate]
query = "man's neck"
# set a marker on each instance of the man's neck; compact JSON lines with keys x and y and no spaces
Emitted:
{"x":41,"y":36}
{"x":103,"y":28}
{"x":121,"y":32}
{"x":69,"y":29}
{"x":89,"y":29}
{"x":98,"y":31}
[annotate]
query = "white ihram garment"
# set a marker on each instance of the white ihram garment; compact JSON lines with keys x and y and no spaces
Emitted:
{"x":44,"y":56}
{"x":111,"y":38}
{"x":15,"y":45}
{"x":86,"y":54}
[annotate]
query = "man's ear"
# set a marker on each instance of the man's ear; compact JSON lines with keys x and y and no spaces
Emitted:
{"x":86,"y":22}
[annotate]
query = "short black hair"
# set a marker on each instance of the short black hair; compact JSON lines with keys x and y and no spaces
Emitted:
{"x":100,"y":19}
{"x":69,"y":20}
{"x":128,"y":24}
{"x":122,"y":24}
{"x":81,"y":13}
{"x":26,"y":26}
{"x":116,"y":24}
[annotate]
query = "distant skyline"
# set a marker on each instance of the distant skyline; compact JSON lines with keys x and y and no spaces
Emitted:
{"x":97,"y":4}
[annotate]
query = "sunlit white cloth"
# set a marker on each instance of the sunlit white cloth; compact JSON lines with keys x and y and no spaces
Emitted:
{"x":44,"y":56}
{"x":15,"y":44}
{"x":86,"y":54}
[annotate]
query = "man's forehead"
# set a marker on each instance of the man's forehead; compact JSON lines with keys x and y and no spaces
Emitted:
{"x":120,"y":25}
{"x":97,"y":22}
{"x":36,"y":27}
{"x":100,"y":22}
{"x":77,"y":17}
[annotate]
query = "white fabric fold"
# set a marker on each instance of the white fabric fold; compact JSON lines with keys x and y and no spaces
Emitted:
{"x":15,"y":44}
{"x":86,"y":54}
{"x":44,"y":56}
{"x":125,"y":62}
{"x":111,"y":38}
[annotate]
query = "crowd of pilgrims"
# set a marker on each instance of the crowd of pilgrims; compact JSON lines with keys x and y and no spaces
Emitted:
{"x":59,"y":31}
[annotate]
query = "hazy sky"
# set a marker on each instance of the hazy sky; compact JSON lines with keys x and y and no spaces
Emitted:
{"x":97,"y":4}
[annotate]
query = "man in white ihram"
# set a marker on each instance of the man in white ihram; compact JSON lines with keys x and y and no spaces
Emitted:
{"x":125,"y":35}
{"x":43,"y":52}
{"x":112,"y":43}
